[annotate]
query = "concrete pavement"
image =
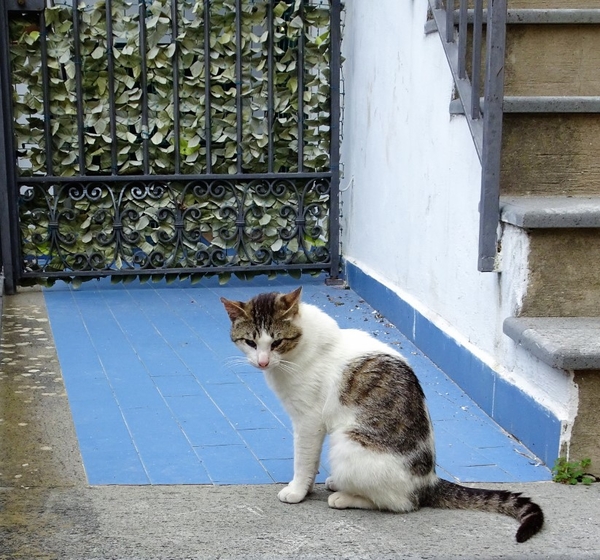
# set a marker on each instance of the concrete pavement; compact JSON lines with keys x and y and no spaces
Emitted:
{"x":47,"y":510}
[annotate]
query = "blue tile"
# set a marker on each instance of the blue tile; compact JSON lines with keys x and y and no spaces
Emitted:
{"x":257,"y":384}
{"x":518,"y":462}
{"x":106,"y":464}
{"x":164,"y":450}
{"x":451,"y":450}
{"x":201,"y":421}
{"x":232,"y":464}
{"x":178,"y":386}
{"x":243,"y":409}
{"x":268,"y":443}
{"x":210,"y":371}
{"x":135,"y":390}
{"x":280,"y":470}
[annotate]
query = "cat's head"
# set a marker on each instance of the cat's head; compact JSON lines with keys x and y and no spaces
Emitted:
{"x":264,"y":327}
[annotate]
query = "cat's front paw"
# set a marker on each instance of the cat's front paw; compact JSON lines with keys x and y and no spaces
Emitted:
{"x":291,"y":495}
{"x":330,"y":484}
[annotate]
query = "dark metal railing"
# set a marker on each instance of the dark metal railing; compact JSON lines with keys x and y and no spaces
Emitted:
{"x":142,"y":220}
{"x":461,"y":31}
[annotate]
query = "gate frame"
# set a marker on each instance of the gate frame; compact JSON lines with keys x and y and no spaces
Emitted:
{"x":9,"y":232}
{"x":10,"y":247}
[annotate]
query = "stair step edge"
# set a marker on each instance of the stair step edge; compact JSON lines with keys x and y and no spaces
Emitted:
{"x":539,"y":104}
{"x":543,"y":16}
{"x":537,"y":212}
{"x":570,"y":343}
{"x":524,"y":16}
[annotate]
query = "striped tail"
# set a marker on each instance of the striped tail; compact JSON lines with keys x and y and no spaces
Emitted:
{"x":447,"y":495}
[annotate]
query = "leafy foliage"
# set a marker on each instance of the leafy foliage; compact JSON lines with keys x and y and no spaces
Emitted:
{"x":572,"y":472}
{"x":155,"y":101}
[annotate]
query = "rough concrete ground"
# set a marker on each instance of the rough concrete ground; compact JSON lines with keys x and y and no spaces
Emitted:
{"x":47,"y":510}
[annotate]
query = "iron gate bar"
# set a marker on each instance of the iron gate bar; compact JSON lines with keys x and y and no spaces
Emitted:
{"x":238,"y":85}
{"x":174,"y":272}
{"x":300,"y":69}
{"x":270,"y":94}
{"x":207,"y":100}
{"x":46,"y":100}
{"x":176,"y":177}
{"x":176,"y":124}
{"x":114,"y":167}
{"x":144,"y":133}
{"x":79,"y":88}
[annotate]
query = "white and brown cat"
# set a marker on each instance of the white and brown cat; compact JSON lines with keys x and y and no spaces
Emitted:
{"x":346,"y":383}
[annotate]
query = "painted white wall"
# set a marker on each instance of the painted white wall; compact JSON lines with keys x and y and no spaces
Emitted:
{"x":411,"y":182}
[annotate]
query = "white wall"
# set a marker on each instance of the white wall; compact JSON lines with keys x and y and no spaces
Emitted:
{"x":411,"y":181}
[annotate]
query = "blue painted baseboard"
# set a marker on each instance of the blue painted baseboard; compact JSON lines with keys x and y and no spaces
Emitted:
{"x":511,"y":408}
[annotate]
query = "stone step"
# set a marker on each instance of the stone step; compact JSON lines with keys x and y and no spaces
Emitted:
{"x":557,"y":60}
{"x":549,"y":154}
{"x":539,"y":104}
{"x":564,"y":273}
{"x":553,"y":4}
{"x":564,"y":253}
{"x":547,"y":4}
{"x":570,"y":343}
{"x":537,"y":212}
{"x":556,"y":15}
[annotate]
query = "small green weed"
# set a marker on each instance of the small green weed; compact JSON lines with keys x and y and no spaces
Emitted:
{"x":572,"y":472}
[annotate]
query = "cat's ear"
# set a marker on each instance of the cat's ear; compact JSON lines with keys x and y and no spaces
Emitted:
{"x":291,"y":303}
{"x":235,"y":309}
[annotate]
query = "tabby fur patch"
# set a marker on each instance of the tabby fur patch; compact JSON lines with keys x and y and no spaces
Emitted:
{"x":392,"y":415}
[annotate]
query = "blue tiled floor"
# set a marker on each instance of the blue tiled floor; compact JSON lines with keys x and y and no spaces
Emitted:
{"x":159,"y":396}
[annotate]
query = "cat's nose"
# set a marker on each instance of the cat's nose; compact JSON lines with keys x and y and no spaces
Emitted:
{"x":263,"y":360}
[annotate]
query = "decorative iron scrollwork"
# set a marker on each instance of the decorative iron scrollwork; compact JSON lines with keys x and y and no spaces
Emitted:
{"x":146,"y":225}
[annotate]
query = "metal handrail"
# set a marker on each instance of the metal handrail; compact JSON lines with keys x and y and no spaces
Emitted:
{"x":485,"y":125}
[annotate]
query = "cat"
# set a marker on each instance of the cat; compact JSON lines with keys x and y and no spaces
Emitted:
{"x":364,"y":395}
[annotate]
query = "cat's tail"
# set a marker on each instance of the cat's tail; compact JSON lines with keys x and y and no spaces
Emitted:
{"x":447,"y":495}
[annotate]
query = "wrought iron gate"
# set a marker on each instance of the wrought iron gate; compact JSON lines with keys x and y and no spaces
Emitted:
{"x":174,"y":137}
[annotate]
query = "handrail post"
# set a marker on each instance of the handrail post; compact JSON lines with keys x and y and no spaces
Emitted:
{"x":489,"y":206}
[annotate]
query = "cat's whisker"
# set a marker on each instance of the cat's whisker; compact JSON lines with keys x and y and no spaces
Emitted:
{"x":235,"y":362}
{"x":290,"y":367}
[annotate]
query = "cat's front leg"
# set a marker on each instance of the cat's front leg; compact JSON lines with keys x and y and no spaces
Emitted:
{"x":308,"y":441}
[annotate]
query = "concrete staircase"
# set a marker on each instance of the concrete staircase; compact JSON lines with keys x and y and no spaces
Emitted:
{"x":550,"y":188}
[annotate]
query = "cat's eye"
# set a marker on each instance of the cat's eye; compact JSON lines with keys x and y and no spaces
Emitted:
{"x":276,"y":344}
{"x":250,"y":343}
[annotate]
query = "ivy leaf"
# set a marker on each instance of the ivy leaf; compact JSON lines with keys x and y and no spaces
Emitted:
{"x":297,"y":23}
{"x":98,"y":52}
